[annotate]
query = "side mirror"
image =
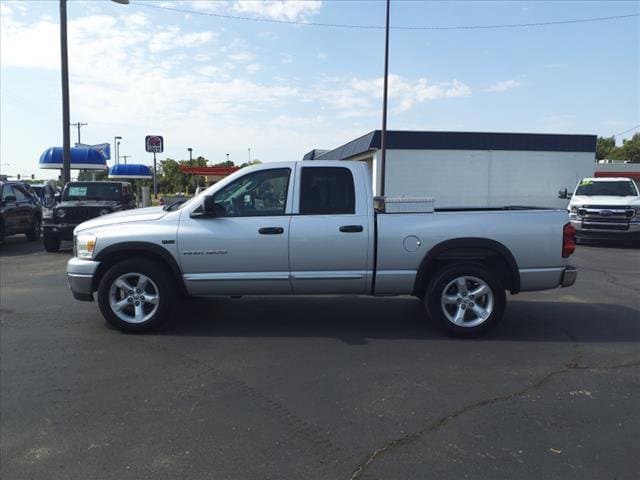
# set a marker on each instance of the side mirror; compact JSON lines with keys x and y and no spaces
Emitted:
{"x":563,"y":193}
{"x":57,"y":197}
{"x":212,"y":209}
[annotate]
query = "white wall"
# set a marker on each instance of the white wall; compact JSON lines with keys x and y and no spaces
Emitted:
{"x":483,"y":177}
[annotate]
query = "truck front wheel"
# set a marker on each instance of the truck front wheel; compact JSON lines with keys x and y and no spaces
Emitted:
{"x":466,"y":299}
{"x":136,"y":295}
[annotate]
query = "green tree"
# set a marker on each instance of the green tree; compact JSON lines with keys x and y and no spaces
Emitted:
{"x":87,"y":175}
{"x":604,"y":147}
{"x":631,"y":149}
{"x":252,"y":162}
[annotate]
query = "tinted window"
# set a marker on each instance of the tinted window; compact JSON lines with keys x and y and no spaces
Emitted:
{"x":327,"y":190}
{"x":262,"y":193}
{"x":615,"y":188}
{"x":20,"y":195}
{"x":7,"y":192}
{"x":92,"y":191}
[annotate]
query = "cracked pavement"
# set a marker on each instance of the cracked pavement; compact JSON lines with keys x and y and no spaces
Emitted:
{"x":321,"y":388}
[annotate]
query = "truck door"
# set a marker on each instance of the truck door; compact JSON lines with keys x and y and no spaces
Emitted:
{"x":245,"y":250}
{"x":12,"y":216}
{"x":329,"y":233}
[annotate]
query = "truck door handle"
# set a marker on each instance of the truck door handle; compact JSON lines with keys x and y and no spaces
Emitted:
{"x":271,"y":231}
{"x":351,"y":228}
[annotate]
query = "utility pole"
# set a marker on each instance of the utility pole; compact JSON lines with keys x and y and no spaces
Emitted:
{"x":383,"y":136}
{"x":125,"y":158}
{"x":190,"y":154}
{"x":249,"y":154}
{"x":64,"y":70}
{"x":78,"y":125}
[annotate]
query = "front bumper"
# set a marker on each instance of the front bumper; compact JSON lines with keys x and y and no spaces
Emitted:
{"x":569,"y":276}
{"x":606,"y":230}
{"x":62,"y":230}
{"x":80,"y":276}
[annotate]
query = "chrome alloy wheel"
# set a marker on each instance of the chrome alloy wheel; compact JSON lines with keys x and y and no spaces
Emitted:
{"x":134,"y":297}
{"x":467,"y":301}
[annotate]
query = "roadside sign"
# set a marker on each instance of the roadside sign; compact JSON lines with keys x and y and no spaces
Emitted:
{"x":154,"y":143}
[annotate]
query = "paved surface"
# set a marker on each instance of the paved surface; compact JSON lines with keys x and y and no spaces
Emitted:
{"x":321,"y":388}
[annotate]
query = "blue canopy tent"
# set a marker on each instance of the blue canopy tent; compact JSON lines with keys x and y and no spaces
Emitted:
{"x":82,"y":158}
{"x":130,"y":171}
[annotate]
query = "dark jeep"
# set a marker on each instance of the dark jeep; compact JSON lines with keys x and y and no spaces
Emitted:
{"x":20,"y":212}
{"x":82,"y":201}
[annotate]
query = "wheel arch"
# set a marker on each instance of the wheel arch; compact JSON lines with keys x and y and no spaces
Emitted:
{"x":115,"y":253}
{"x":492,"y":254}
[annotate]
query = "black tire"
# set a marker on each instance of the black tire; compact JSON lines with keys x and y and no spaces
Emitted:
{"x":161,"y":280}
{"x":51,"y":243}
{"x":443,"y":283}
{"x":35,"y":231}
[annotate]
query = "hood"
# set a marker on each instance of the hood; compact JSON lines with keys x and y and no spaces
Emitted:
{"x":125,"y":216}
{"x":87,"y":203}
{"x":609,"y":200}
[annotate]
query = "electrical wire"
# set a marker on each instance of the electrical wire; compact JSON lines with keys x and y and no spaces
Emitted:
{"x":380,"y":27}
{"x":626,"y":131}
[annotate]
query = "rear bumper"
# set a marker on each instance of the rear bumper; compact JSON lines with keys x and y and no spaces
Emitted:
{"x":80,"y":276}
{"x":533,"y":279}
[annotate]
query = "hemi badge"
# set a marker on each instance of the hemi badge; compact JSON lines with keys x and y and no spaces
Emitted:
{"x":168,"y":242}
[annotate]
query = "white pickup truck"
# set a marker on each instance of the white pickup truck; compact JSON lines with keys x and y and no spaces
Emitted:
{"x":605,"y":208}
{"x":307,"y":228}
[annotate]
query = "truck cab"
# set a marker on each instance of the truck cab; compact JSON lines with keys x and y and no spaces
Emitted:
{"x":606,"y":208}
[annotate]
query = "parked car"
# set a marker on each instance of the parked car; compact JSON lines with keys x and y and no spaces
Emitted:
{"x":605,"y":208}
{"x":20,"y":212}
{"x":311,"y":228}
{"x":81,"y":201}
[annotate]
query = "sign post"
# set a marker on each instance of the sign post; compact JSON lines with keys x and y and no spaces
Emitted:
{"x":155,"y":144}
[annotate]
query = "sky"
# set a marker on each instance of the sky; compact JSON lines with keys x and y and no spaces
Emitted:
{"x":225,"y":85}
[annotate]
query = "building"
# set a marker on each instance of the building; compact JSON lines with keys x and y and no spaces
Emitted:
{"x":615,"y":168}
{"x":471,"y":168}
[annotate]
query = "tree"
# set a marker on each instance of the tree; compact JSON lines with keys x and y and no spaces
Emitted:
{"x":252,"y":162}
{"x":631,"y":149}
{"x":604,"y":147}
{"x":87,"y":175}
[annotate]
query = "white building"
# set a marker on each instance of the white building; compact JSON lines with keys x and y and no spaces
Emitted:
{"x":461,"y":169}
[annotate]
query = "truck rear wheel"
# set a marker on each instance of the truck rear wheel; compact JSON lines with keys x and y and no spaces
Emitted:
{"x":35,"y":230}
{"x":136,"y":295}
{"x":465,"y":299}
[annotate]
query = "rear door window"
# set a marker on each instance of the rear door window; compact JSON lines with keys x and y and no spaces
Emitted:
{"x":327,"y":191}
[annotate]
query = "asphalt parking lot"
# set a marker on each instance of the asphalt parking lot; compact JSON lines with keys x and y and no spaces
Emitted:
{"x":321,"y":388}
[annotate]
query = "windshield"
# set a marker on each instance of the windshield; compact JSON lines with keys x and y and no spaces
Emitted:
{"x":622,"y":188}
{"x":92,"y":191}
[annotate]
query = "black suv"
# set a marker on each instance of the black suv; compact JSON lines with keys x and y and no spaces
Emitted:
{"x":82,"y":201}
{"x":20,"y":212}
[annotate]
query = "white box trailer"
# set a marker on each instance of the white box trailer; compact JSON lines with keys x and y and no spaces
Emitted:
{"x":462,"y":169}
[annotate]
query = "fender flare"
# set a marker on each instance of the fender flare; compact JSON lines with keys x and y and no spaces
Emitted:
{"x":468,"y":248}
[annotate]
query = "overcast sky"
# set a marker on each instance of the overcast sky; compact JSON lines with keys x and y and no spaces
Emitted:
{"x":223,"y":85}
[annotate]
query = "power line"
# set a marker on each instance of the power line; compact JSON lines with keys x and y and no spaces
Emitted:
{"x":626,"y":131}
{"x":381,"y":27}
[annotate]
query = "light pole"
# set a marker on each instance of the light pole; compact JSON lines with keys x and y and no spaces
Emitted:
{"x":249,"y":154}
{"x":118,"y":152}
{"x":383,"y":136}
{"x":227,"y":157}
{"x":64,"y":74}
{"x":115,"y":149}
{"x":190,"y":154}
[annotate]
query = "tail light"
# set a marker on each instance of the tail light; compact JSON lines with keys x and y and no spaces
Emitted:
{"x":568,"y":240}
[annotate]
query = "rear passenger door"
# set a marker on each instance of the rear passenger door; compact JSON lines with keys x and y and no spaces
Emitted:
{"x":11,"y":210}
{"x":329,"y":233}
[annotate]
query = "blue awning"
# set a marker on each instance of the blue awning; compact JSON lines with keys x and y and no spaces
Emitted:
{"x":81,"y":159}
{"x":131,"y":170}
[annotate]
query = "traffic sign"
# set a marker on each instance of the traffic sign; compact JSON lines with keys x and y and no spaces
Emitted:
{"x":154,"y":143}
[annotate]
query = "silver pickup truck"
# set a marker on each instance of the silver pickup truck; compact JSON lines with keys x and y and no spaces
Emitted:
{"x":307,"y":228}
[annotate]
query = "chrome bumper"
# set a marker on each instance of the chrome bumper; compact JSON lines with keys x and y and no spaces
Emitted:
{"x":80,"y":276}
{"x":569,"y":276}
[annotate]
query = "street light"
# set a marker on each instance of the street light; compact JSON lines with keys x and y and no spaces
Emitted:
{"x":190,"y":153}
{"x":227,"y":157}
{"x":115,"y":148}
{"x":118,"y":153}
{"x":64,"y":73}
{"x":249,"y":154}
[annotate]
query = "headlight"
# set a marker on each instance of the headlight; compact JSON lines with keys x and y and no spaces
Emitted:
{"x":60,"y":213}
{"x":85,"y":245}
{"x":574,"y":209}
{"x":105,"y":211}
